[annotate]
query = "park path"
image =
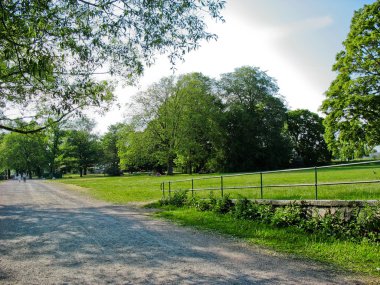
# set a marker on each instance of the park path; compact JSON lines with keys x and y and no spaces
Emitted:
{"x":52,"y":235}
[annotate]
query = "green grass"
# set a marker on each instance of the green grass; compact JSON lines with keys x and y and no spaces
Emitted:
{"x":141,"y":188}
{"x":336,"y":174}
{"x":362,"y":258}
{"x":120,"y":190}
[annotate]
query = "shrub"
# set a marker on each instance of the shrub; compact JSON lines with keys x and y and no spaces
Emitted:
{"x":178,"y":199}
{"x":368,"y":222}
{"x":243,"y":209}
{"x":264,"y":213}
{"x":213,"y":200}
{"x":333,"y":224}
{"x":223,"y":205}
{"x":291,"y":215}
{"x":199,"y":204}
{"x":203,"y":205}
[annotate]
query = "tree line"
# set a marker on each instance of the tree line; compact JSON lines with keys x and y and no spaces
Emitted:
{"x":188,"y":123}
{"x":191,"y":123}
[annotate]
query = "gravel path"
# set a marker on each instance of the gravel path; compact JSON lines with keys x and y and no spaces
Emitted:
{"x":50,"y":235}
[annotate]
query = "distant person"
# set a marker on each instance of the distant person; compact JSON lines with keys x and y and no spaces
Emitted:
{"x":24,"y":178}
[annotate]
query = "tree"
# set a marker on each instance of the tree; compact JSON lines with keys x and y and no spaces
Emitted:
{"x":23,"y":153}
{"x":179,"y":116}
{"x":80,"y":150}
{"x":136,"y":150}
{"x":52,"y":52}
{"x":352,"y":104}
{"x":306,"y":132}
{"x":159,"y":109}
{"x":111,"y":160}
{"x":200,"y":132}
{"x":254,"y":121}
{"x":53,"y":138}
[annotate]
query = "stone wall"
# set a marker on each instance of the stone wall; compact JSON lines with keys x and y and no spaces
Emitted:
{"x":322,"y":207}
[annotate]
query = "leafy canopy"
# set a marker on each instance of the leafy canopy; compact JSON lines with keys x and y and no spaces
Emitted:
{"x":352,"y":104}
{"x":53,"y":53}
{"x":254,"y":121}
{"x":306,"y":132}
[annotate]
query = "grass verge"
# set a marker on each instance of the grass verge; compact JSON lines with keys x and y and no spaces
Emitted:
{"x":361,"y":258}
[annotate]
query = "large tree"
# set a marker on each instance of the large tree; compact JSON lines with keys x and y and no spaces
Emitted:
{"x":200,"y":130}
{"x":137,"y":151}
{"x":52,"y":52}
{"x":180,"y":117}
{"x":352,"y":104}
{"x":254,"y":121}
{"x":24,"y":153}
{"x":306,"y":132}
{"x":159,"y":112}
{"x":80,"y":150}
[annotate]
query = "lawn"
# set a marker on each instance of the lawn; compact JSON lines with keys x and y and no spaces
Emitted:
{"x":123,"y":189}
{"x":324,"y":175}
{"x":143,"y":188}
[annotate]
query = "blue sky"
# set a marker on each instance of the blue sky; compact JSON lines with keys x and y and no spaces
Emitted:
{"x":294,"y":41}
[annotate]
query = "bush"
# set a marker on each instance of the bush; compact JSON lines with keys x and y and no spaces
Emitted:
{"x":243,"y":209}
{"x":199,"y":204}
{"x":264,"y":213}
{"x":358,"y":224}
{"x":178,"y":199}
{"x":223,"y":205}
{"x":333,"y":225}
{"x":291,"y":215}
{"x":203,"y":205}
{"x":368,"y":223}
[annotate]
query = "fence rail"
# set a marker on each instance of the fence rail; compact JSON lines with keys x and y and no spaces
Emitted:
{"x":169,"y":187}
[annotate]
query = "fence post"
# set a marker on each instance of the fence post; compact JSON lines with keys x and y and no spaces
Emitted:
{"x":221,"y":184}
{"x":316,"y":182}
{"x":261,"y":185}
{"x":192,"y":187}
{"x":163,"y":189}
{"x":170,"y":189}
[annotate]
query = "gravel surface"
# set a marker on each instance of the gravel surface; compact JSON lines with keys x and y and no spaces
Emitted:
{"x":51,"y":235}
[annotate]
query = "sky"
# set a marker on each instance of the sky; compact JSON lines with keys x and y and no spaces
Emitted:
{"x":294,"y":41}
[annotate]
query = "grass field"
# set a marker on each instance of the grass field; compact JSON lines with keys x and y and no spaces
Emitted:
{"x":139,"y":188}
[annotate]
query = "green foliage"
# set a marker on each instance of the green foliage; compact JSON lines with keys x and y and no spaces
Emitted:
{"x":223,"y":205}
{"x":352,"y":104}
{"x":23,"y":153}
{"x":136,"y":151}
{"x":110,"y":159}
{"x":180,"y":120}
{"x":357,"y":225}
{"x":291,"y":215}
{"x":50,"y":51}
{"x":80,"y":150}
{"x":306,"y":132}
{"x":177,"y":199}
{"x":254,"y":121}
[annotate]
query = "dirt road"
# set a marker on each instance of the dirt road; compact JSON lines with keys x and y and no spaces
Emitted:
{"x":51,"y":235}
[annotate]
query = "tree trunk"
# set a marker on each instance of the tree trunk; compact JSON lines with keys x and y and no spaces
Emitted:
{"x":85,"y":171}
{"x":170,"y":165}
{"x":80,"y":171}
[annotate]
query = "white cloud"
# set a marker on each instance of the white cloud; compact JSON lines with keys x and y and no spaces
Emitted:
{"x":309,"y":25}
